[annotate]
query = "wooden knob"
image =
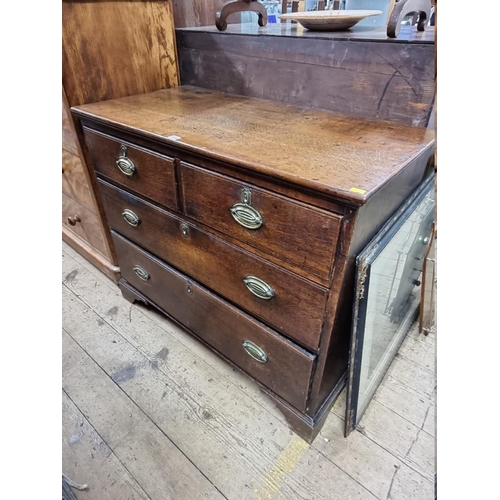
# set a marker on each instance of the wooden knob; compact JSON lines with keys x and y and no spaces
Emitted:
{"x":73,"y":220}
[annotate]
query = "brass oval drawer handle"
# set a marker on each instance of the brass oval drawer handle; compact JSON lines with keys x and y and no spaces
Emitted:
{"x":254,"y":351}
{"x":131,"y":217}
{"x":125,"y":164}
{"x":244,"y":214}
{"x":73,"y":220}
{"x":141,"y":273}
{"x":258,"y":287}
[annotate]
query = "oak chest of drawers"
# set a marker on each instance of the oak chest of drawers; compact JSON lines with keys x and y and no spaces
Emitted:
{"x":241,"y":220}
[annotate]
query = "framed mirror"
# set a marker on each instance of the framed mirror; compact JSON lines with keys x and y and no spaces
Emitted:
{"x":387,"y":297}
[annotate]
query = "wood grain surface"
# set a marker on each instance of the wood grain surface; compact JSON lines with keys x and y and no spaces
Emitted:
{"x":153,"y":178}
{"x":288,"y":369}
{"x":78,"y":191}
{"x":291,"y":231}
{"x":297,"y":308}
{"x":189,"y":13}
{"x":361,"y":77}
{"x":88,"y":460}
{"x":69,"y":140}
{"x":113,"y":49}
{"x":89,"y":253}
{"x":121,"y":422}
{"x":342,"y":156}
{"x":74,"y":182}
{"x":215,"y":415}
{"x":89,"y":228}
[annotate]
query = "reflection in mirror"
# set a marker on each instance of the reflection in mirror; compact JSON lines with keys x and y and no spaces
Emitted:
{"x":387,"y":296}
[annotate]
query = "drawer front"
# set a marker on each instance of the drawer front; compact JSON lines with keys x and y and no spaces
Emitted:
{"x":86,"y":223}
{"x":274,"y":361}
{"x":74,"y":182}
{"x":296,"y":306}
{"x":289,"y":230}
{"x":144,"y":172}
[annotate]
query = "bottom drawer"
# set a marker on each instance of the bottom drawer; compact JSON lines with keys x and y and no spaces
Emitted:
{"x":86,"y":224}
{"x":271,"y":359}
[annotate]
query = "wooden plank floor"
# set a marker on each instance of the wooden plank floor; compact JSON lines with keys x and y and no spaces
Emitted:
{"x":150,"y":413}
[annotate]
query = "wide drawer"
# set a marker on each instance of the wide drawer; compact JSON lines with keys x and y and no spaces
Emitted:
{"x":304,"y":236}
{"x":271,"y":359}
{"x":84,"y":223}
{"x":147,"y":173}
{"x":74,"y":182}
{"x":296,"y":306}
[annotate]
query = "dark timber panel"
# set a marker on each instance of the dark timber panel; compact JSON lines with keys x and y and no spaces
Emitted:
{"x":370,"y":78}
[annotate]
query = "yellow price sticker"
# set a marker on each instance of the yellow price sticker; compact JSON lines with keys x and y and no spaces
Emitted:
{"x":357,"y":190}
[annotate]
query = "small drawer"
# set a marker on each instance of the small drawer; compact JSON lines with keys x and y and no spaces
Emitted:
{"x":74,"y":182}
{"x":277,"y":363}
{"x":147,"y":173}
{"x":290,"y":304}
{"x":84,"y":223}
{"x":301,"y":235}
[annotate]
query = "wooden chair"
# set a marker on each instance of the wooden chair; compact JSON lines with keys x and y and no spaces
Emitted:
{"x":240,"y":6}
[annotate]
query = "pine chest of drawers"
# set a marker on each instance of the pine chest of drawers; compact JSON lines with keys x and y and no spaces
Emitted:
{"x":241,"y":220}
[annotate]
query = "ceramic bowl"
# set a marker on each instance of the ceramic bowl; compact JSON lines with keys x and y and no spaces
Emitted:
{"x":330,"y":20}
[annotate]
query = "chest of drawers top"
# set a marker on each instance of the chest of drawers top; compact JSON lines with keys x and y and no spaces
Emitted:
{"x":338,"y":156}
{"x":240,"y":219}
